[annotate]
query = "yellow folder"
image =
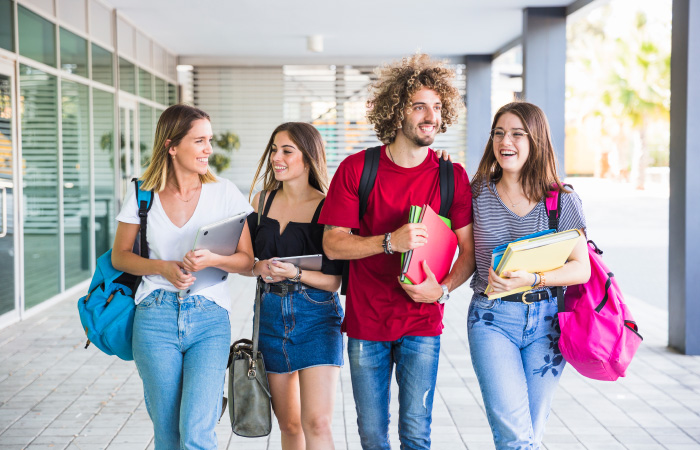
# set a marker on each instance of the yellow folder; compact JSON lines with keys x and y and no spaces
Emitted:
{"x":540,"y":254}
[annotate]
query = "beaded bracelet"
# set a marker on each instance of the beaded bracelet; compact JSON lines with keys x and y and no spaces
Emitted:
{"x":542,"y":280}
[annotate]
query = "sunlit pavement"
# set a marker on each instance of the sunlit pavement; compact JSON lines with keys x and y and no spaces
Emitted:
{"x":56,"y":395}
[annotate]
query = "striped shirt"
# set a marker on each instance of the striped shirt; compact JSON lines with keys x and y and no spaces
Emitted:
{"x":495,"y":224}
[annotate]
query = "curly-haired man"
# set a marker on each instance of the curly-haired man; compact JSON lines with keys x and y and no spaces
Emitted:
{"x":389,"y":323}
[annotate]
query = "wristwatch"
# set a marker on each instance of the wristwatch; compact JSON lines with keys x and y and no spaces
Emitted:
{"x":445,"y":294}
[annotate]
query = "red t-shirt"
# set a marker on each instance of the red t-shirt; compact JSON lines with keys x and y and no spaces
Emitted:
{"x":377,"y":308}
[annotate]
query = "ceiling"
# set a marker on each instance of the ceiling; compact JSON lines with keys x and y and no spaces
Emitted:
{"x":275,"y":31}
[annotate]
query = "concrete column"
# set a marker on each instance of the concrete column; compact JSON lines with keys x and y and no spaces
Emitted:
{"x":478,"y":100}
{"x":684,"y":209}
{"x":544,"y":62}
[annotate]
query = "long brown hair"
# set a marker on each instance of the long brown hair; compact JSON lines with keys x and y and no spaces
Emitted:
{"x":173,"y":124}
{"x":308,"y":140}
{"x":539,"y":172}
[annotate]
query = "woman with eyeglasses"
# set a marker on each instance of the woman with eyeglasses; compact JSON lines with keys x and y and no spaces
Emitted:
{"x":514,"y":344}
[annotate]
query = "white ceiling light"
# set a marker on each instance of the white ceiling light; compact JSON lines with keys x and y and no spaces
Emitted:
{"x":314,"y":43}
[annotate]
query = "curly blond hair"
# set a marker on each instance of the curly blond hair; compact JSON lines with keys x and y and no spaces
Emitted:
{"x":390,"y":95}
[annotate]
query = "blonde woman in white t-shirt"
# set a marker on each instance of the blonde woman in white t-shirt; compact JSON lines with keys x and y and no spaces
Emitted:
{"x":181,"y":345}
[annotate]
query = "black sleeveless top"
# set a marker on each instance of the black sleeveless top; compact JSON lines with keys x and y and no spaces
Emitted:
{"x":298,"y":239}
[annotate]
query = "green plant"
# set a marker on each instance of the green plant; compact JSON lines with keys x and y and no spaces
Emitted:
{"x":227,"y":142}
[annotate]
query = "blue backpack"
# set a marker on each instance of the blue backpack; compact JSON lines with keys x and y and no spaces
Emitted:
{"x":107,"y":311}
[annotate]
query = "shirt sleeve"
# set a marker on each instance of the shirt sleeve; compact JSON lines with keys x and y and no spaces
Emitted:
{"x":342,"y":206}
{"x":461,"y":210}
{"x":237,"y":203}
{"x":130,"y":211}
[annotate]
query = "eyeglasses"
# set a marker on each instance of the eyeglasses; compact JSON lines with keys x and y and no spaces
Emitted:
{"x":515,"y":135}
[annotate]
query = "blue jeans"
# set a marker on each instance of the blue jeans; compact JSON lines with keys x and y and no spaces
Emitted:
{"x":181,"y":349}
{"x":371,"y":365}
{"x":515,"y":354}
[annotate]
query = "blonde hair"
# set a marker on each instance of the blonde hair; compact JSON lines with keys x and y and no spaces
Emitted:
{"x":391,"y":94}
{"x":173,"y":125}
{"x":308,"y":140}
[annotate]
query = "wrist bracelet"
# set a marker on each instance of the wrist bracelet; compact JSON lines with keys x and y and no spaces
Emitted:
{"x":252,"y":269}
{"x":542,"y":280}
{"x":296,"y":278}
{"x":386,"y":245}
{"x":535,"y":282}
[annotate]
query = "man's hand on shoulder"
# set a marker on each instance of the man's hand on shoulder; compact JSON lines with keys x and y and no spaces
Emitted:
{"x":429,"y":291}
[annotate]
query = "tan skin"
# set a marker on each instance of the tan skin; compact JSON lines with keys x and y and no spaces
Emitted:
{"x":511,"y":156}
{"x":179,"y":200}
{"x":409,"y":149}
{"x":303,"y":401}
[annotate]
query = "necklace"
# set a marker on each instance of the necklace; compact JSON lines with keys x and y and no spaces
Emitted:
{"x":177,"y":194}
{"x":512,"y":205}
{"x":390,"y":155}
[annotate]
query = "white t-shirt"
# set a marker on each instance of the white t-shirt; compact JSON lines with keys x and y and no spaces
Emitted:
{"x":217,"y":201}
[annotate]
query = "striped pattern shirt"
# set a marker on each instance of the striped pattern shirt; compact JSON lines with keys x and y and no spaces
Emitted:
{"x":495,"y":224}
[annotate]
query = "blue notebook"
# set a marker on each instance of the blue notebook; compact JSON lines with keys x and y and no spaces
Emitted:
{"x":501,"y":249}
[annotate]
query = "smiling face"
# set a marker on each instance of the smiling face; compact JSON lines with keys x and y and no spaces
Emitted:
{"x":511,"y":156}
{"x":193,"y":151}
{"x":423,"y":120}
{"x":286,"y":158}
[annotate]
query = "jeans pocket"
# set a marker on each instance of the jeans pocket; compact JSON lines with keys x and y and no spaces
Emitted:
{"x":318,"y":296}
{"x":205,"y":304}
{"x":149,"y":301}
{"x":484,"y":303}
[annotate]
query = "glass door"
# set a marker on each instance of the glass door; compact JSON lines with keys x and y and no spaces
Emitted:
{"x":128,"y":152}
{"x":9,"y":305}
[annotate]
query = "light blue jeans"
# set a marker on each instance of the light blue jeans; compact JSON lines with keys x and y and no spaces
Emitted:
{"x":515,"y":354}
{"x":181,"y":349}
{"x":371,"y":365}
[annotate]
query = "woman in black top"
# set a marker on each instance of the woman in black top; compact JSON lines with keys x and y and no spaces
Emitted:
{"x":300,"y":314}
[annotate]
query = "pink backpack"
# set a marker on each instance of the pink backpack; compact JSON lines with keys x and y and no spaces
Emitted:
{"x":598,"y":334}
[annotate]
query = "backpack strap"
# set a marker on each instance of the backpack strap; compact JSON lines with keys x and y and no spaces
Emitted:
{"x":447,"y":186}
{"x":369,"y":176}
{"x":144,"y":200}
{"x":552,"y":202}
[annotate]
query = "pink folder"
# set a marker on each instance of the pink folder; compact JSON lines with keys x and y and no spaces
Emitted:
{"x":439,"y":251}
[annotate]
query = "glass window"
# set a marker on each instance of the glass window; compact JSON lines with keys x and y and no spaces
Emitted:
{"x":76,"y":181}
{"x":145,"y":84}
{"x":146,"y":134}
{"x":161,"y":91}
{"x":102,"y":65}
{"x":172,"y":94}
{"x":39,"y":118}
{"x":74,"y":57}
{"x":6,"y":25}
{"x":105,"y":151}
{"x":127,"y":76}
{"x":37,"y":39}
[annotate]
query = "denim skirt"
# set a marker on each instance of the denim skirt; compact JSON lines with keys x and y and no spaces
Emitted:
{"x":300,"y":330}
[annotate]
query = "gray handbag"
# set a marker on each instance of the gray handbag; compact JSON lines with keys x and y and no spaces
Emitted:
{"x":248,"y":389}
{"x":250,"y":409}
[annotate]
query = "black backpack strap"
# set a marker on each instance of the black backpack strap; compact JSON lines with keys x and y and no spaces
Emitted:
{"x":369,"y":176}
{"x":317,"y":214}
{"x":144,"y":201}
{"x":447,"y":186}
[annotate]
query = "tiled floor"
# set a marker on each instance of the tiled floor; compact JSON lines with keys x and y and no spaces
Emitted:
{"x":54,"y":394}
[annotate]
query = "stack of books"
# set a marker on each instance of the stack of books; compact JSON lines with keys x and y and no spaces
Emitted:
{"x":438,"y":252}
{"x":539,"y":252}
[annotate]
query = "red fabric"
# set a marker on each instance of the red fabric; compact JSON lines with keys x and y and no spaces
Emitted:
{"x":377,"y":308}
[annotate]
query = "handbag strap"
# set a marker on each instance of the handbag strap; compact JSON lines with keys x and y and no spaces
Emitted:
{"x":258,"y":290}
